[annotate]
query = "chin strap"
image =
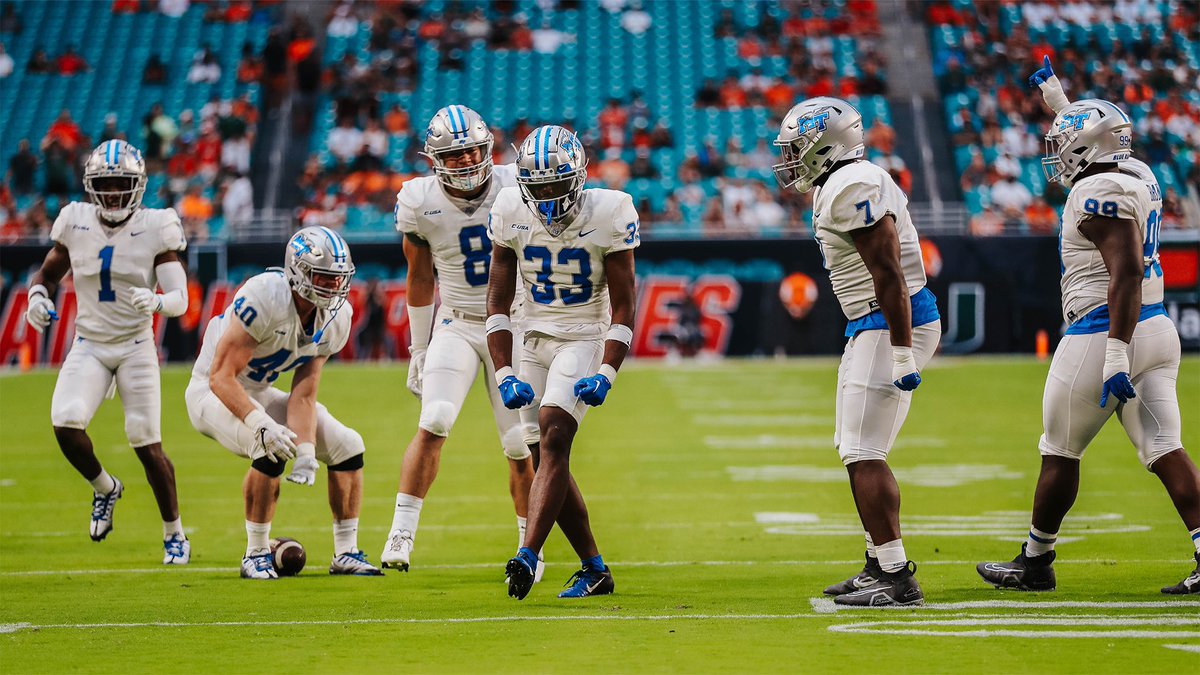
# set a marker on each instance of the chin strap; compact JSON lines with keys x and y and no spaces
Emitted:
{"x":332,"y":315}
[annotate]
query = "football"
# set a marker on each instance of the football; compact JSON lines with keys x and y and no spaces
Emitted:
{"x":289,"y":556}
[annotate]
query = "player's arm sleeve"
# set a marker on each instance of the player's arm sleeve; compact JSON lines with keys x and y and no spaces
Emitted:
{"x":1053,"y":94}
{"x":251,"y":308}
{"x":172,"y":233}
{"x":626,"y":227}
{"x":173,"y":280}
{"x":1111,"y":199}
{"x":406,"y":210}
{"x":859,"y":204}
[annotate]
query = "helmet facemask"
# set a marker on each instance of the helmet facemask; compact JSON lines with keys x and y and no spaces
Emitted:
{"x":116,"y":194}
{"x":1057,"y":165}
{"x":554,"y":198}
{"x":793,"y":171}
{"x":465,"y":178}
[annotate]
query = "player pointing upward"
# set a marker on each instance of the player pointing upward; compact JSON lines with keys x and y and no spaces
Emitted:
{"x":118,"y":252}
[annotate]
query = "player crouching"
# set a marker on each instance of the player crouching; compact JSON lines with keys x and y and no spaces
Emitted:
{"x":117,"y":252}
{"x":284,"y":319}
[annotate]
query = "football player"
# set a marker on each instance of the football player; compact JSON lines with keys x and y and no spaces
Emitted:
{"x":443,"y":219}
{"x":871,"y":249}
{"x":117,"y":252}
{"x":293,"y":318}
{"x":1120,"y":352}
{"x":573,"y":249}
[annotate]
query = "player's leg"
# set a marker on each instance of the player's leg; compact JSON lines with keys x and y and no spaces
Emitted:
{"x":873,"y":411}
{"x":1153,"y":423}
{"x":140,"y":388}
{"x":341,"y":449}
{"x":450,"y":367}
{"x":1071,"y":418}
{"x":82,"y":383}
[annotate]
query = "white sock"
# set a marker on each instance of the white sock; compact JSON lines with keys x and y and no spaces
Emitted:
{"x":891,"y":556}
{"x":345,"y":536}
{"x":172,"y":527}
{"x":257,"y":538}
{"x":1038,"y":542}
{"x":103,"y":484}
{"x":870,"y":545}
{"x":1196,"y":538}
{"x":521,"y":522}
{"x":408,"y":513}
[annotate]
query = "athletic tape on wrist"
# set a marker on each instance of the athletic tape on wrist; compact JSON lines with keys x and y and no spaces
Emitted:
{"x":497,"y":322}
{"x":621,"y":333}
{"x":303,"y":449}
{"x":38,"y":289}
{"x":503,"y":373}
{"x":609,"y":372}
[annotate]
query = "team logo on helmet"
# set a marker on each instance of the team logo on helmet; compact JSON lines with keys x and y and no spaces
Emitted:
{"x":1073,"y":121}
{"x":815,"y":121}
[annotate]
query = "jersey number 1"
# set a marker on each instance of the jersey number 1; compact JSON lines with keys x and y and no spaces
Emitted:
{"x":107,"y":294}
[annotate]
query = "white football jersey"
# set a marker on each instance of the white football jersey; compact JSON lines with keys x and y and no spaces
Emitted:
{"x":854,"y":197}
{"x":462,"y":252}
{"x":109,"y":262}
{"x":1084,"y":276}
{"x":566,"y":292}
{"x":265,"y":309}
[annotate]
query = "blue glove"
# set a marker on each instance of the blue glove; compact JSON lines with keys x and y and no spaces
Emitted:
{"x":592,"y":390}
{"x":1118,"y":385}
{"x":516,"y":394}
{"x":908,"y":382}
{"x":904,"y":369}
{"x":1042,"y":74}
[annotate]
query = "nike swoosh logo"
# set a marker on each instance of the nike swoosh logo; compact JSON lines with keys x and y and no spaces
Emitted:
{"x":281,"y":332}
{"x":138,"y":342}
{"x":597,"y":584}
{"x":584,"y":234}
{"x":134,"y":234}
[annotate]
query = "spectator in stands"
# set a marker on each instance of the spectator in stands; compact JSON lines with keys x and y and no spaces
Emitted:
{"x":155,"y":71}
{"x":642,"y":167}
{"x":709,"y":94}
{"x":195,"y":210}
{"x":372,"y":339}
{"x":173,"y":8}
{"x":181,"y":168}
{"x":708,"y":161}
{"x":635,"y":20}
{"x":975,"y":175}
{"x":1040,"y":217}
{"x":205,"y":67}
{"x":235,"y":154}
{"x":613,"y":171}
{"x":126,"y":6}
{"x":986,"y":224}
{"x":725,"y":27}
{"x":237,"y":204}
{"x":59,"y":178}
{"x":612,"y":122}
{"x":1010,"y":196}
{"x":71,"y":63}
{"x":732,"y":95}
{"x":344,"y":142}
{"x":520,"y":38}
{"x":871,"y":83}
{"x":159,"y":132}
{"x":397,"y":123}
{"x":375,"y":147}
{"x":10,"y":21}
{"x":65,"y":132}
{"x":547,"y":40}
{"x":6,"y":63}
{"x":250,"y":67}
{"x":39,"y":63}
{"x":21,"y":169}
{"x":110,"y":130}
{"x":208,"y":151}
{"x":476,"y":26}
{"x":661,"y":136}
{"x":342,"y":23}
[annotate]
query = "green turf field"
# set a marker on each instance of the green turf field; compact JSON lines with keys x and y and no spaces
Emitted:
{"x":715,"y":495}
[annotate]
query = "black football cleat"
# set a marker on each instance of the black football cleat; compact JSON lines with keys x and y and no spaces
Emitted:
{"x":519,"y":578}
{"x":892,"y":589}
{"x":871,"y":572}
{"x":1189,"y":585}
{"x":1023,"y":573}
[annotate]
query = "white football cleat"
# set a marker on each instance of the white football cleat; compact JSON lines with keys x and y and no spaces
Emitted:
{"x":355,"y":564}
{"x":397,"y":550}
{"x":259,"y":567}
{"x":102,"y":512}
{"x":177,"y":550}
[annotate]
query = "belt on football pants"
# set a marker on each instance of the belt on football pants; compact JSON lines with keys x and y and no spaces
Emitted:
{"x":465,"y":316}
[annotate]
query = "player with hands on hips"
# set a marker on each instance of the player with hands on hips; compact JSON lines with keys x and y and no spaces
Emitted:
{"x":873,"y":254}
{"x":443,"y":219}
{"x":289,"y":319}
{"x":572,"y":250}
{"x":117,"y":252}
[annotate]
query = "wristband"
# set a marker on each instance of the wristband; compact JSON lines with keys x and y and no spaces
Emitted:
{"x":504,"y":373}
{"x":306,"y":449}
{"x":38,"y":289}
{"x":498,"y":322}
{"x":608,"y":371}
{"x":257,"y":419}
{"x":621,"y":333}
{"x":903,"y":356}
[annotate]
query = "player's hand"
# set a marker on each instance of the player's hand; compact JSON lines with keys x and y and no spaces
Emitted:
{"x":1116,"y":372}
{"x":1041,"y":75}
{"x":905,"y":375}
{"x":515,"y":393}
{"x":272,"y":439}
{"x":304,"y":470}
{"x":592,"y":390}
{"x":145,"y":301}
{"x":416,"y":364}
{"x":40,"y":312}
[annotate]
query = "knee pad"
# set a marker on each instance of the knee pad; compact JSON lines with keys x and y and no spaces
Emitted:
{"x":514,"y":444}
{"x":140,"y":430}
{"x":268,"y":466}
{"x":532,"y":434}
{"x":437,"y":417}
{"x":353,"y":464}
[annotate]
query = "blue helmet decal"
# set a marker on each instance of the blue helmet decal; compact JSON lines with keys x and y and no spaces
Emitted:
{"x":1075,"y":121}
{"x":816,"y":121}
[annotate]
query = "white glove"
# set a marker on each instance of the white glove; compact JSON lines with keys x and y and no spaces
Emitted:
{"x":145,"y":301}
{"x":272,"y":439}
{"x":304,"y":470}
{"x":41,"y":309}
{"x":416,"y":364}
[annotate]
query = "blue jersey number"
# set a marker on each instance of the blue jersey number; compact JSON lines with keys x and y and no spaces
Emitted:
{"x":1150,"y":249}
{"x":1106,"y":209}
{"x":580,"y":290}
{"x":865,"y":205}
{"x":477,"y":248}
{"x":244,"y":312}
{"x":107,"y":294}
{"x":268,"y":368}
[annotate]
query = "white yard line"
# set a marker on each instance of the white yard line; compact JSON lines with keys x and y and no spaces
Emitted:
{"x":827,"y":606}
{"x":1195,"y":649}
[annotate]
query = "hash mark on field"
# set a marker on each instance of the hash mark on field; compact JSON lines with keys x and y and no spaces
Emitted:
{"x":1195,"y":649}
{"x":1002,"y":525}
{"x":814,"y":442}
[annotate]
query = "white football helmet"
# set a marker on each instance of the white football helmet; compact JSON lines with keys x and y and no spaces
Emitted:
{"x":551,"y":172}
{"x":453,"y":129}
{"x":114,"y":176}
{"x":319,"y":252}
{"x":1084,"y":133}
{"x":814,"y":135}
